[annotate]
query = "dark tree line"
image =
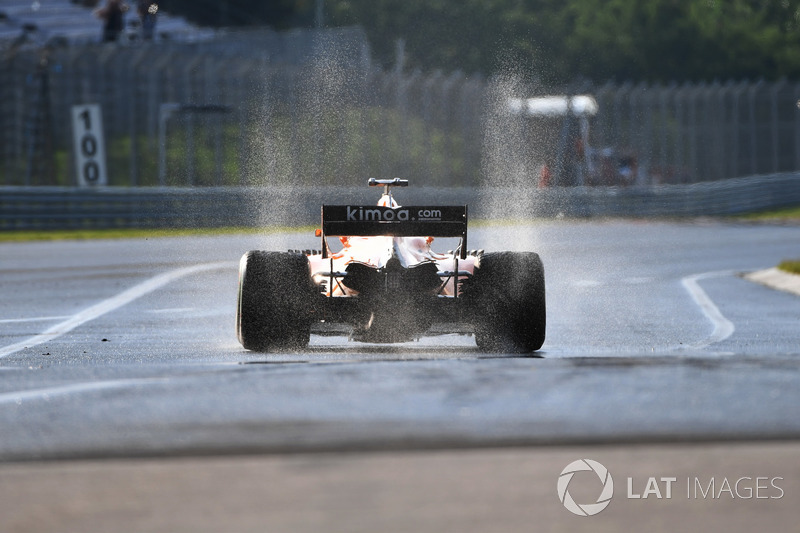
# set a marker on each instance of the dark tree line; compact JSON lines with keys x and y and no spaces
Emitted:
{"x":279,"y":14}
{"x":556,"y":40}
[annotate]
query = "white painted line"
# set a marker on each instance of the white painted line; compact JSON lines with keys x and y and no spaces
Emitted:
{"x":111,"y":304}
{"x":723,"y":328}
{"x":75,"y":388}
{"x":32,"y":319}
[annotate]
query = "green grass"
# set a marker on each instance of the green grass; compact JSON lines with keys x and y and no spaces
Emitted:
{"x":135,"y":233}
{"x":790,"y":213}
{"x":792,"y":266}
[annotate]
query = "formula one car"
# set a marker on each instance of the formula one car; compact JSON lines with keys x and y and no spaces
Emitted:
{"x":386,"y":284}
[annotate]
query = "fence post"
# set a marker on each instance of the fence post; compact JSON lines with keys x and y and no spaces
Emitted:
{"x":132,"y":82}
{"x":695,"y":91}
{"x":644,"y":100}
{"x":265,"y":83}
{"x":601,"y":131}
{"x":776,"y":88}
{"x":680,"y":137}
{"x":619,"y":95}
{"x":427,"y":115}
{"x":736,"y":90}
{"x":161,"y":88}
{"x":663,"y":97}
{"x":404,"y":84}
{"x":365,"y":120}
{"x":753,"y":89}
{"x":464,"y":112}
{"x":164,"y":112}
{"x":797,"y":126}
{"x":189,"y":98}
{"x":241,"y":73}
{"x":714,"y":134}
{"x":213,"y":95}
{"x":447,"y":107}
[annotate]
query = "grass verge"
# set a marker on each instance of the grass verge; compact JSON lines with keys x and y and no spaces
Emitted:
{"x":792,"y":266}
{"x":787,"y":214}
{"x":136,"y":233}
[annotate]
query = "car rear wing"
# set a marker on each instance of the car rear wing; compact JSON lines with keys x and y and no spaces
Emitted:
{"x":404,"y":221}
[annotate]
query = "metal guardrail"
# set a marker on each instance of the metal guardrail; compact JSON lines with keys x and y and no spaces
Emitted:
{"x":71,"y":208}
{"x":28,"y":208}
{"x":715,"y":198}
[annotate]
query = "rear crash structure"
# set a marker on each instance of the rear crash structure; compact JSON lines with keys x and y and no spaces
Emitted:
{"x":385,"y":283}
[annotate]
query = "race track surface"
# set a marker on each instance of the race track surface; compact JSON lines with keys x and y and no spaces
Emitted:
{"x":127,"y":348}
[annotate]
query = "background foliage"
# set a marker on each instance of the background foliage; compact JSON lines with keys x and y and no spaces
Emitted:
{"x":558,"y":40}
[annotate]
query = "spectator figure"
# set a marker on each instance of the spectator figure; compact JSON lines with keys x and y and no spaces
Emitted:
{"x":113,"y":16}
{"x":147,"y":10}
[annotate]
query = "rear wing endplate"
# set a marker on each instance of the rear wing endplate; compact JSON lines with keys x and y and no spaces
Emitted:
{"x":404,"y":221}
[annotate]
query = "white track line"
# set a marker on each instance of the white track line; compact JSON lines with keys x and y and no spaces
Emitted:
{"x":32,"y":319}
{"x":111,"y":304}
{"x":723,"y":328}
{"x":53,"y":392}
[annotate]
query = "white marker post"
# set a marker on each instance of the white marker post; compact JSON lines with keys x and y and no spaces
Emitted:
{"x":89,"y":145}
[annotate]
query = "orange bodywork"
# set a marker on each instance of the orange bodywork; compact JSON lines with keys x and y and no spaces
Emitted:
{"x":378,"y":250}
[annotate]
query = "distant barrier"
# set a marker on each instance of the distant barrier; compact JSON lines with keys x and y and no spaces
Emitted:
{"x":31,"y":208}
{"x":733,"y":196}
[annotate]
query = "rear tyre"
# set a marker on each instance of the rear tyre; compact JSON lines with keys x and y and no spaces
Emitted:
{"x":275,"y":301}
{"x":507,"y":297}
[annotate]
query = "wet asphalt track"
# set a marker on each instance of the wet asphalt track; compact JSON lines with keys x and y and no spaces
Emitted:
{"x":127,"y":348}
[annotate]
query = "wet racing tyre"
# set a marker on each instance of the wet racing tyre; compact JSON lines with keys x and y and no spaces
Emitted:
{"x":506,"y":298}
{"x":275,"y":295}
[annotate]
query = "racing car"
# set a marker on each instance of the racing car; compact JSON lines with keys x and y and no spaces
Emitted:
{"x":384,"y":283}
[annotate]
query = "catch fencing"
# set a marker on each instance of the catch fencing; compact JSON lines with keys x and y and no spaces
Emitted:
{"x":306,"y":108}
{"x":703,"y":132}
